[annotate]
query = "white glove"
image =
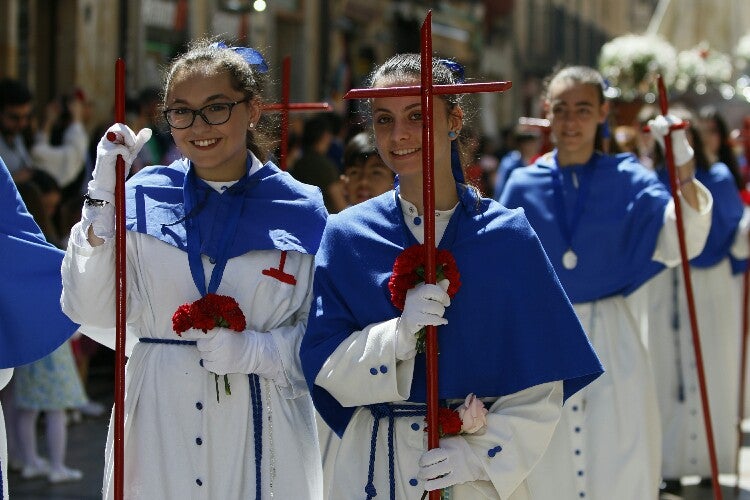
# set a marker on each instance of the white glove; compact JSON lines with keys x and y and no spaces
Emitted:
{"x":102,"y":218}
{"x":659,"y":127}
{"x":226,"y":351}
{"x":424,"y":305}
{"x":452,"y":463}
{"x":127,"y":144}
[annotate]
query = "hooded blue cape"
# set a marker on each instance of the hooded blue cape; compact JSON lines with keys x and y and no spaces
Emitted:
{"x":32,"y":323}
{"x":497,"y":340}
{"x":726,"y":215}
{"x":278,"y":212}
{"x":618,"y":229}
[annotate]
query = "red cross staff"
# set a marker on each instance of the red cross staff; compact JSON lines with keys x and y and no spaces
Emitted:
{"x":426,"y":90}
{"x":744,"y":331}
{"x":664,"y":105}
{"x":120,"y":291}
{"x":284,"y":107}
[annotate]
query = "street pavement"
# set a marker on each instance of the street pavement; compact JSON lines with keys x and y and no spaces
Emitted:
{"x":86,"y":440}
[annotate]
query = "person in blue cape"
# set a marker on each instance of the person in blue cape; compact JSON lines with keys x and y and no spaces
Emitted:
{"x":505,"y":368}
{"x":220,"y":249}
{"x":608,"y":226}
{"x":32,"y":323}
{"x":717,"y":297}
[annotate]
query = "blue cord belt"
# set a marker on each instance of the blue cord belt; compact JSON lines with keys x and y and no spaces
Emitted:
{"x":391,"y":412}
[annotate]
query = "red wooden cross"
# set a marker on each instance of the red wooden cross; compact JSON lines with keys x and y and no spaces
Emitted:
{"x":745,"y":322}
{"x":284,"y":107}
{"x":668,"y":153}
{"x":426,"y":90}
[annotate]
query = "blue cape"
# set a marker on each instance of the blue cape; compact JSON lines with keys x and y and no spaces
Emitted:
{"x":496,"y":342}
{"x":32,"y":323}
{"x":278,"y":212}
{"x":618,"y":229}
{"x":726,"y":215}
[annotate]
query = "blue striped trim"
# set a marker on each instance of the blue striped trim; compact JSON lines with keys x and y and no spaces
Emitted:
{"x":256,"y":402}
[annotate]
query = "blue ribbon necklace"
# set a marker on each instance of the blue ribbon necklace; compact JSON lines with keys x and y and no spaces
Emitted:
{"x":228,"y":211}
{"x":568,"y":226}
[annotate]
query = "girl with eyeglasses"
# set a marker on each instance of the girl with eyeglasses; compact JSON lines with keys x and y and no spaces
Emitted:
{"x":216,"y":403}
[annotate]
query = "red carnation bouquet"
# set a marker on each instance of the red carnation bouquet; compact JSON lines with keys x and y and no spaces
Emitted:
{"x":408,"y":271}
{"x":206,"y":313}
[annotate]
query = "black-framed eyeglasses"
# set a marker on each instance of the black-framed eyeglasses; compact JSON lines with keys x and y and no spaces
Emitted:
{"x":213,"y":114}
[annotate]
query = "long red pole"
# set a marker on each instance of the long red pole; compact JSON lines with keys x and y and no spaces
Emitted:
{"x":664,"y":105}
{"x":428,"y":200}
{"x":120,"y":293}
{"x":744,"y":332}
{"x":743,"y":368}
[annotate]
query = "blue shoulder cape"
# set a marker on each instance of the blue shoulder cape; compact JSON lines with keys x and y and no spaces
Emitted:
{"x":32,"y":323}
{"x":726,"y":215}
{"x":496,"y":342}
{"x":278,"y":212}
{"x":618,"y":228}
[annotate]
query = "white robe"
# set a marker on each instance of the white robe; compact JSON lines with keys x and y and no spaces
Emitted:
{"x":523,"y":422}
{"x":607,"y":444}
{"x":717,"y":303}
{"x":179,"y":442}
{"x":63,"y":162}
{"x":5,"y":375}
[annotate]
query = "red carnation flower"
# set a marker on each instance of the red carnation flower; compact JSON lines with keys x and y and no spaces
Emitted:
{"x":408,"y":271}
{"x":181,"y":319}
{"x":449,"y":422}
{"x":207,"y":313}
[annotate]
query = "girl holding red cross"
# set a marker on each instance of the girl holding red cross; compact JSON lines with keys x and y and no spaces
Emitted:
{"x":608,"y":225}
{"x":505,"y":367}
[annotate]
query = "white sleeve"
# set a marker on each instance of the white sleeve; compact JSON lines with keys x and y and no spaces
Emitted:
{"x":364,"y":370}
{"x":741,"y":247}
{"x":63,"y":162}
{"x":697,"y":225}
{"x":88,"y":276}
{"x":519,"y":429}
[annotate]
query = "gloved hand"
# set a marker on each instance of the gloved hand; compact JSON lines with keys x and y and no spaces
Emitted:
{"x":452,"y":463}
{"x":226,"y":351}
{"x":127,"y":144}
{"x":659,"y":127}
{"x":424,"y":305}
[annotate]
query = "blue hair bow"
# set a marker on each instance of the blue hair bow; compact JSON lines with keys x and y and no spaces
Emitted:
{"x":456,"y":69}
{"x":251,"y":56}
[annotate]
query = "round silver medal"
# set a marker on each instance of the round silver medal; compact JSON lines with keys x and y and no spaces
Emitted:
{"x":570,"y":259}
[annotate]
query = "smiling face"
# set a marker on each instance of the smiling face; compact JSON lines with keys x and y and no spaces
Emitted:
{"x":575,"y":110}
{"x":367,"y":180}
{"x":218,"y":152}
{"x":397,"y":123}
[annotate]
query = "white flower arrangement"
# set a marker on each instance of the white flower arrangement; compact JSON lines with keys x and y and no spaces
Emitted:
{"x":701,"y":66}
{"x":631,"y":64}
